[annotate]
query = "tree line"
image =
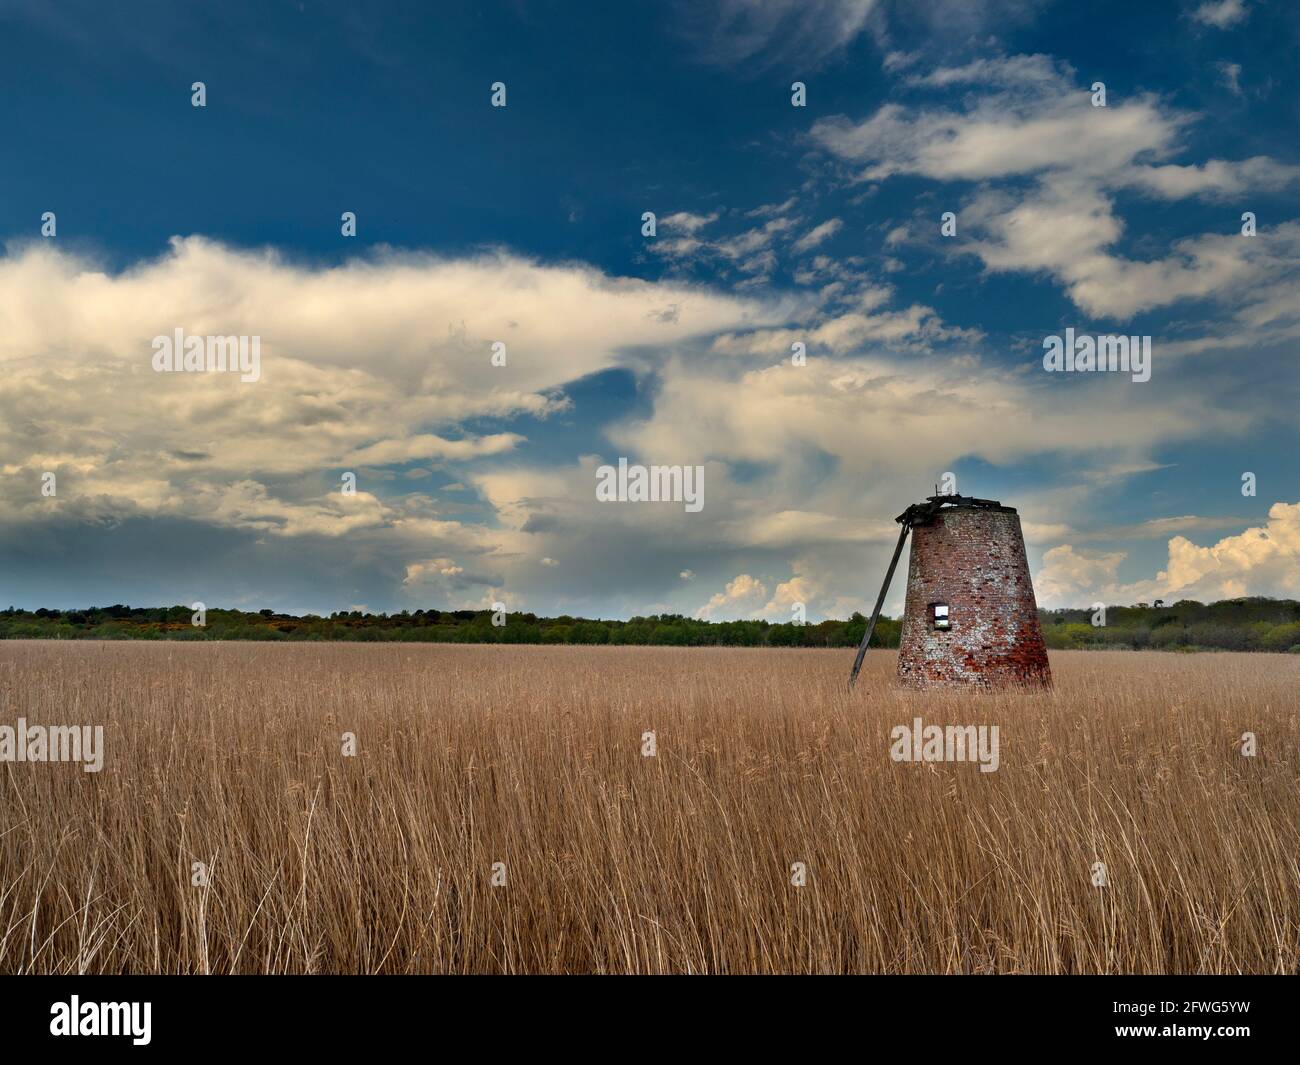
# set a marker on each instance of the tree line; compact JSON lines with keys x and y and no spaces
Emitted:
{"x":1250,"y":624}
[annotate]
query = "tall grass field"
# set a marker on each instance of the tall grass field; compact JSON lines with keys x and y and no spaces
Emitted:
{"x":353,"y":808}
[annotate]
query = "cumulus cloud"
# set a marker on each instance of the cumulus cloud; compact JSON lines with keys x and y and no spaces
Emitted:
{"x":448,"y":582}
{"x":1068,"y":577}
{"x":371,"y":363}
{"x":367,"y":367}
{"x":799,"y":590}
{"x":1259,"y":560}
{"x":740,"y":598}
{"x":805,"y":469}
{"x":379,"y":363}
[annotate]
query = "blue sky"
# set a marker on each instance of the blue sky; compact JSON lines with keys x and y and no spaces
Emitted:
{"x":817,"y":224}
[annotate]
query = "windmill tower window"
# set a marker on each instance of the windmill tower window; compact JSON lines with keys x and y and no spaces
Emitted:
{"x":939,"y":615}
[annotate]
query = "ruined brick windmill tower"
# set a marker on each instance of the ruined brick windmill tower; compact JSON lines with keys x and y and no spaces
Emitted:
{"x":970,"y":618}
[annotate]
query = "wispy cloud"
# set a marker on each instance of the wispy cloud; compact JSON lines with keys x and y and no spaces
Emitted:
{"x":765,"y":32}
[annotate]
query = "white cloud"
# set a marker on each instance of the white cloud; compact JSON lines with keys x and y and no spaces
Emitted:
{"x":440,"y":567}
{"x":818,"y":234}
{"x":741,"y":598}
{"x":896,"y":236}
{"x":688,"y":222}
{"x":1221,"y":13}
{"x":858,"y":408}
{"x":772,"y":210}
{"x":1215,"y":179}
{"x":798,"y":589}
{"x":1229,"y":76}
{"x":1065,"y":229}
{"x":1072,"y":578}
{"x":1002,"y":72}
{"x":374,"y":362}
{"x":1260,"y":560}
{"x":1028,"y":119}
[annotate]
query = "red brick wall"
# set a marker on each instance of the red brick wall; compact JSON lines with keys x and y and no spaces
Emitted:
{"x":973,"y":559}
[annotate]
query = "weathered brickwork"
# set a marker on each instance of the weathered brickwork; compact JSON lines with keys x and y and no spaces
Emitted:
{"x":973,"y":560}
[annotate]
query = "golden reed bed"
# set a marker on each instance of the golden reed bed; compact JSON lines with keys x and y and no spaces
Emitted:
{"x":230,"y":755}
